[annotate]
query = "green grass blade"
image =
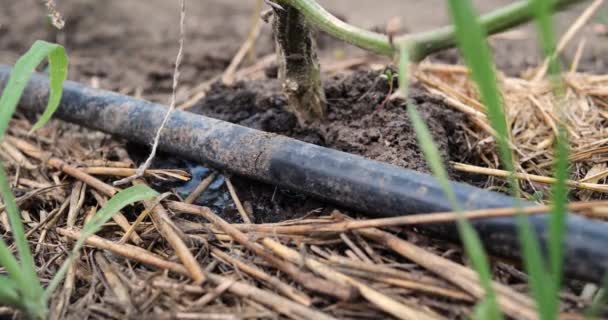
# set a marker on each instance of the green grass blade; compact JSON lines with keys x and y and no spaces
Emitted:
{"x":475,"y":51}
{"x":21,"y":73}
{"x":58,"y":72}
{"x":559,"y":191}
{"x":559,"y":197}
{"x":541,"y":283}
{"x":600,"y":300}
{"x":472,"y":243}
{"x":8,"y":292}
{"x":114,"y":205}
{"x":10,"y":264}
{"x":543,"y":10}
{"x":31,"y":287}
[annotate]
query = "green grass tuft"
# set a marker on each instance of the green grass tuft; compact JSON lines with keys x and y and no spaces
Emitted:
{"x":21,"y":288}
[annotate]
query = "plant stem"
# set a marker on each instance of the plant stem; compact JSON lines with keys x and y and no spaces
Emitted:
{"x":325,"y":21}
{"x":299,"y":68}
{"x":420,"y":44}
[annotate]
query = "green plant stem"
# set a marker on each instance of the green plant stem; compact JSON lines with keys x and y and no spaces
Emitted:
{"x":421,"y":44}
{"x":321,"y":18}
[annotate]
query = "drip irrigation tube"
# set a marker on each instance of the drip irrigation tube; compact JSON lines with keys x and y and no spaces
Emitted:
{"x":373,"y":187}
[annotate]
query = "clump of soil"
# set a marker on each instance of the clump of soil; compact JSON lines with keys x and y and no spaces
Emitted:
{"x":360,"y":119}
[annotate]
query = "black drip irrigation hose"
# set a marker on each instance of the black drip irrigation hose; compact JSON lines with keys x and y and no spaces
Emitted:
{"x":376,"y":188}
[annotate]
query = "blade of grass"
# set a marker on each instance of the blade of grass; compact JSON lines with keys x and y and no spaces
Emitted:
{"x":21,"y":73}
{"x":10,"y":264}
{"x":472,"y":243}
{"x":601,"y":299}
{"x":559,"y":191}
{"x":474,"y":48}
{"x":541,"y":284}
{"x":115,"y":204}
{"x":30,"y":285}
{"x":542,"y":10}
{"x":8,"y":292}
{"x":476,"y":53}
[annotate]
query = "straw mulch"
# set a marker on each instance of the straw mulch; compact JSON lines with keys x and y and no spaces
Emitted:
{"x":534,"y":114}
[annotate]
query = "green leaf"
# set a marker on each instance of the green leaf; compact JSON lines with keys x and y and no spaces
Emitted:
{"x":8,"y":292}
{"x":472,"y":243}
{"x":10,"y":264}
{"x":549,"y":302}
{"x":474,"y":48}
{"x":599,"y":301}
{"x":541,"y":284}
{"x":482,"y":310}
{"x":559,"y":210}
{"x":114,"y":205}
{"x":28,"y":283}
{"x":544,"y":21}
{"x":21,"y":73}
{"x":470,"y":239}
{"x":543,"y":10}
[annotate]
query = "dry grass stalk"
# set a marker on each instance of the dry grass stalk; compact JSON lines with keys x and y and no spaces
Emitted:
{"x":285,"y":306}
{"x":36,"y":153}
{"x":237,"y":202}
{"x":303,"y":277}
{"x":170,"y":232}
{"x":567,"y":37}
{"x":107,"y":163}
{"x":126,"y":250}
{"x":259,"y":274}
{"x":114,"y":283}
{"x":127,"y":172}
{"x":380,"y":300}
{"x":309,"y":227}
{"x":512,"y":303}
{"x":200,"y":189}
{"x":17,"y":156}
{"x":528,"y":177}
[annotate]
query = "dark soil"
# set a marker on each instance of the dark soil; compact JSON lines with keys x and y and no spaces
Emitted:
{"x":360,"y":120}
